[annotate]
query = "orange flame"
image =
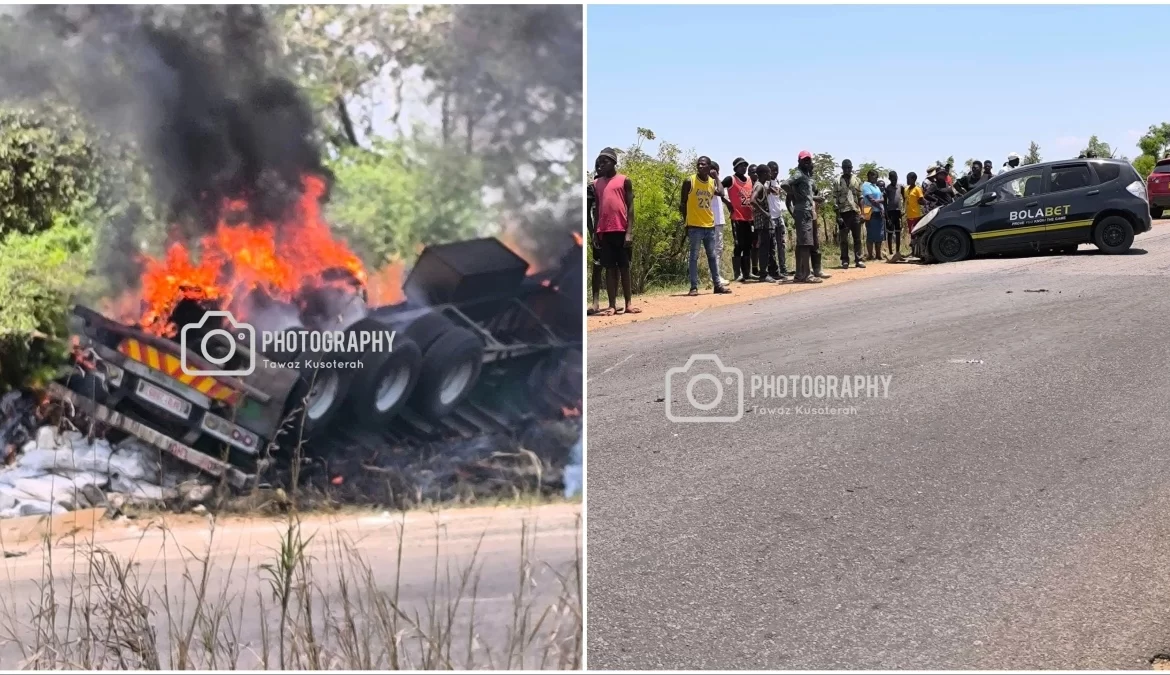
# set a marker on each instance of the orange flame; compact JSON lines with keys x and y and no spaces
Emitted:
{"x":385,"y":285}
{"x":577,"y":238}
{"x":240,"y":257}
{"x":508,"y":238}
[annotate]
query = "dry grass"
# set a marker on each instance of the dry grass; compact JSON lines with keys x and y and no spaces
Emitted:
{"x":312,"y":604}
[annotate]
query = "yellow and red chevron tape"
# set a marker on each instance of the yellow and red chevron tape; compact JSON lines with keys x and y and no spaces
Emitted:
{"x":171,"y":365}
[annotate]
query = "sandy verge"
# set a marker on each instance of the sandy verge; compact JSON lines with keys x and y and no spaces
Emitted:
{"x":658,"y":306}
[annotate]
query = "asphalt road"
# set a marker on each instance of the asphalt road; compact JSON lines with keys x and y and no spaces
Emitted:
{"x":1004,"y":507}
{"x":435,"y":550}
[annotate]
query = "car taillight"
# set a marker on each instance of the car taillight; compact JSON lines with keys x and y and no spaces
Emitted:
{"x":1137,"y":189}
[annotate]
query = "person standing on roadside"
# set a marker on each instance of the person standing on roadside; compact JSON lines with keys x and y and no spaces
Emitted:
{"x":598,"y":270}
{"x":615,"y":217}
{"x":777,"y":210}
{"x":698,"y":191}
{"x":950,"y":174}
{"x":717,"y":205}
{"x":972,"y":179}
{"x":894,"y":194}
{"x":872,"y":211}
{"x":736,"y":273}
{"x":762,"y":218}
{"x":914,"y":204}
{"x":804,"y":212}
{"x":938,"y":193}
{"x":740,"y":195}
{"x":846,"y":197}
{"x":754,"y":175}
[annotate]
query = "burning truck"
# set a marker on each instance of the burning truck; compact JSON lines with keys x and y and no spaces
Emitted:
{"x":177,"y":366}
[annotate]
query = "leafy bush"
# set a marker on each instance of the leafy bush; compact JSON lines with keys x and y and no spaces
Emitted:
{"x":39,"y":273}
{"x":46,"y":166}
{"x":400,"y":195}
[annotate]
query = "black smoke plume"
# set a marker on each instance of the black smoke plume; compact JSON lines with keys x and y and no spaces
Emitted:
{"x":199,"y":89}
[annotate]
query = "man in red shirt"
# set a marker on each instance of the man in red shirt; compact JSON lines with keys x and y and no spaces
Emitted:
{"x":615,"y":216}
{"x":739,"y":192}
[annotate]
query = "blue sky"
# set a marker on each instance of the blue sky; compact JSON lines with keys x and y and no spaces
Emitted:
{"x":858,"y":81}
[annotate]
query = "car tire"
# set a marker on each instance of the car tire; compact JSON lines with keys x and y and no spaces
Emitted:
{"x":450,"y":369}
{"x":1156,"y":211}
{"x":385,"y":383}
{"x":950,"y":244}
{"x":1113,"y":235}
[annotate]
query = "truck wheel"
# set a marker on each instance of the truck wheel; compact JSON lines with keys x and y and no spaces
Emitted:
{"x":1156,"y":211}
{"x":950,"y":244}
{"x":385,"y":383}
{"x":1113,"y":235}
{"x":450,"y":369}
{"x":428,"y":328}
{"x":321,"y":391}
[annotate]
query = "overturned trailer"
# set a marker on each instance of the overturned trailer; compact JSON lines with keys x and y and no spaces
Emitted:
{"x":472,"y":313}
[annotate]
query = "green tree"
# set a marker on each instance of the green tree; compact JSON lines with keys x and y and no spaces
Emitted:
{"x":1033,"y":156}
{"x":46,"y":165}
{"x":391,"y":200}
{"x":1156,"y":141}
{"x":1144,"y":165}
{"x":1154,"y":144}
{"x":1097,"y":148}
{"x":39,"y":274}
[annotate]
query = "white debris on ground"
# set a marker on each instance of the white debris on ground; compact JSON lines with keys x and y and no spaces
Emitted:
{"x":61,"y":471}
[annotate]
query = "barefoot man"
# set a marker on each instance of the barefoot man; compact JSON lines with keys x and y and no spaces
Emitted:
{"x":615,"y":218}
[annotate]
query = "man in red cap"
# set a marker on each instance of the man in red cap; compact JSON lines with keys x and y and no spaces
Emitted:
{"x":804,"y":210}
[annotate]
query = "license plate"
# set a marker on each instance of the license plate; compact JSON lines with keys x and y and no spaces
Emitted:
{"x":163,"y":399}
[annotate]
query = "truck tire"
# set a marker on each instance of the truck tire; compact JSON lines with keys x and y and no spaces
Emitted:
{"x":321,"y":392}
{"x":1113,"y":235}
{"x":450,"y":369}
{"x":385,"y":382}
{"x":426,"y":329}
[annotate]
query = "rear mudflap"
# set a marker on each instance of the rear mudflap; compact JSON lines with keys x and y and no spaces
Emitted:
{"x":202,"y":461}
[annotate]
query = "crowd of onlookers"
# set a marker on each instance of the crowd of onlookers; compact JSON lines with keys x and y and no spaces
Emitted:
{"x":758,"y":208}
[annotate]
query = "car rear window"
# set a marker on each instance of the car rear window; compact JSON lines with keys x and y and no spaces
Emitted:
{"x":1107,"y":171}
{"x":1162,"y":167}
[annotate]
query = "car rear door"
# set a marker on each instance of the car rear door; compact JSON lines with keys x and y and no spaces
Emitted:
{"x":1072,"y":200}
{"x":1008,"y":222}
{"x":1158,"y":185}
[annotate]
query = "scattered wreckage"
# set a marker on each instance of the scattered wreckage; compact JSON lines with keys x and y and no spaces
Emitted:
{"x":482,"y":385}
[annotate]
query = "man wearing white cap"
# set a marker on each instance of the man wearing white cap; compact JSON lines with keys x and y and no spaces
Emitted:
{"x":1013,"y":162}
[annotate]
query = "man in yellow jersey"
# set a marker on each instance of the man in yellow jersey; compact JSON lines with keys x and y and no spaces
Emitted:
{"x":698,"y":191}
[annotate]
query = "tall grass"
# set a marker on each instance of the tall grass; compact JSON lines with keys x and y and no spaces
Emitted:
{"x":315,"y":602}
